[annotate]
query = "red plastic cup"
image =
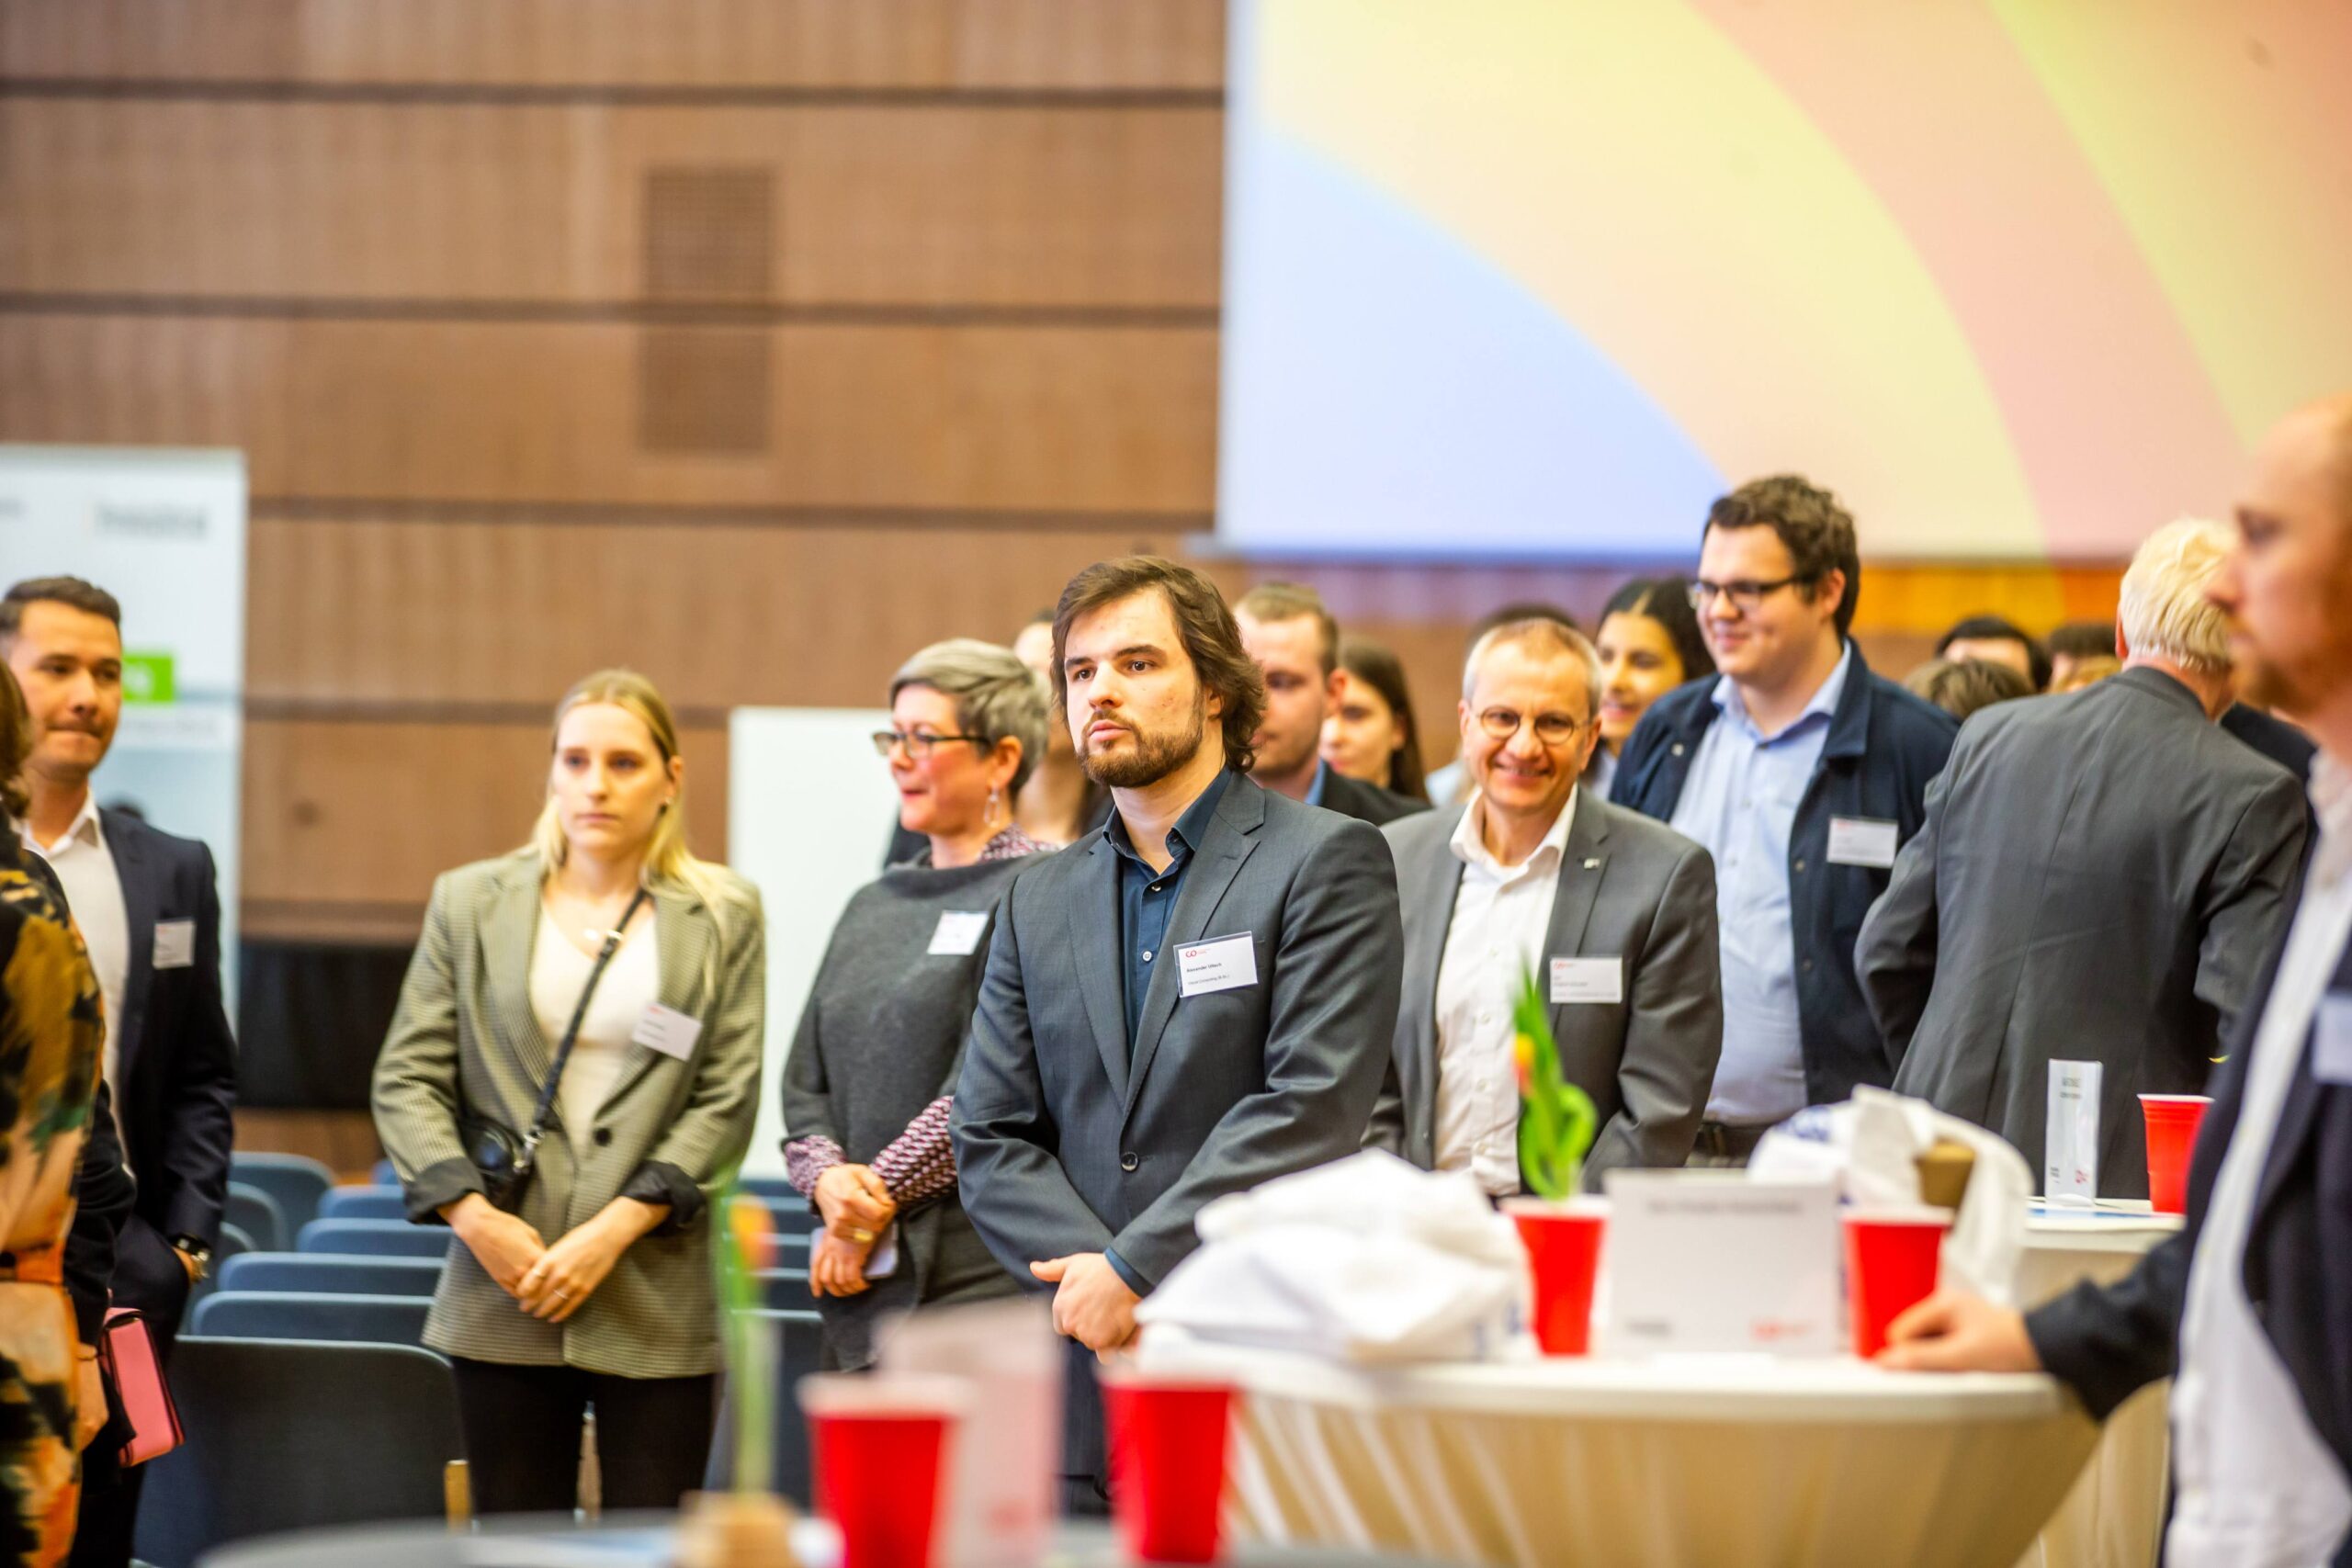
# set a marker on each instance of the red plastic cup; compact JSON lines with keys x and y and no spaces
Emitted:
{"x":1893,"y":1254}
{"x":2172,"y":1121}
{"x":1562,"y":1242}
{"x":1168,"y":1435}
{"x":881,"y":1444}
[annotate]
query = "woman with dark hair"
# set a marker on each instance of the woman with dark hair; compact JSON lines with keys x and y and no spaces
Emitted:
{"x":1371,"y":734}
{"x":1649,"y":643}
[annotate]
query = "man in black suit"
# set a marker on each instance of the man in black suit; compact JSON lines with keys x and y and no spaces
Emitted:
{"x":149,"y":914}
{"x":1296,"y":643}
{"x":2252,"y":1302}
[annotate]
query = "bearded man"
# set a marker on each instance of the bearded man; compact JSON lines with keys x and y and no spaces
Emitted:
{"x":1194,"y":999}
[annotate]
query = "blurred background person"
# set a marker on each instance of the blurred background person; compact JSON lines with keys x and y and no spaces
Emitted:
{"x":1371,"y":735}
{"x":2079,"y":651}
{"x":1649,"y":643}
{"x":2099,"y":878}
{"x":1997,"y":640}
{"x":554,"y":1306}
{"x":1451,"y":784}
{"x":867,"y":1088}
{"x":51,"y":1023}
{"x":1960,"y":686}
{"x":1295,"y":642}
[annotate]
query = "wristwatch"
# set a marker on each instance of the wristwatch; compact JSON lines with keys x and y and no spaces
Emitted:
{"x":197,"y":1254}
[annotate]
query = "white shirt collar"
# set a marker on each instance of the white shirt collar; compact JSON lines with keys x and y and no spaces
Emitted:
{"x":2331,"y":802}
{"x":1470,"y":847}
{"x":85,"y":829}
{"x":1823,"y":703}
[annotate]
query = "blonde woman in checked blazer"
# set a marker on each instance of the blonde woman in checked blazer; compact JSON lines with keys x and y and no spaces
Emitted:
{"x":598,"y":1290}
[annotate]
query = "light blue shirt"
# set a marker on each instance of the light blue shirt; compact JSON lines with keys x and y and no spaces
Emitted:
{"x":1740,"y":799}
{"x":1315,"y":785}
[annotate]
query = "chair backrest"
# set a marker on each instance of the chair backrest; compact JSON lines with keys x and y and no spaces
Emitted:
{"x":303,"y":1315}
{"x":801,"y":1334}
{"x":296,"y":1183}
{"x":383,"y":1175}
{"x":375,"y":1238}
{"x":792,"y":1216}
{"x":785,"y":1289}
{"x":362,"y":1203}
{"x":258,"y":1215}
{"x":769,"y":1187}
{"x":323,"y":1273}
{"x":284,"y":1437}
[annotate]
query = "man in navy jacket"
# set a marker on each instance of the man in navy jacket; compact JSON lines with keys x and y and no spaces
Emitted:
{"x":1802,"y":773}
{"x":2251,"y":1303}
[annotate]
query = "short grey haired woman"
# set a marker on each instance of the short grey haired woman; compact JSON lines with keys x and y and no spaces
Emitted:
{"x":866,"y":1088}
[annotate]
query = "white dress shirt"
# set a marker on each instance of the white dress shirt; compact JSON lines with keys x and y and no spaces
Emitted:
{"x":85,"y":866}
{"x":2256,"y":1486}
{"x":1500,"y":915}
{"x":559,"y":974}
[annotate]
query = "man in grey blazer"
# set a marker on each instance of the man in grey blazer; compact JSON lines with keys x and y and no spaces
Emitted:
{"x":1190,"y":1000}
{"x":1614,"y":913}
{"x":2099,"y":879}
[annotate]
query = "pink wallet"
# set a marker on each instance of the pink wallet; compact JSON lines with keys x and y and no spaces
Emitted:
{"x":129,"y":1352}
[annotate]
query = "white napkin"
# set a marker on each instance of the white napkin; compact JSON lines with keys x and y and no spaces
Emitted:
{"x":1868,"y":1144}
{"x":1363,"y":1259}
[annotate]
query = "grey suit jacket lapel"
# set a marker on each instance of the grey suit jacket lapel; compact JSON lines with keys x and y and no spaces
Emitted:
{"x":1430,"y":886}
{"x":683,"y":936}
{"x":1218,"y":862}
{"x":136,"y":876}
{"x":1583,"y":863}
{"x":1093,"y":943}
{"x":510,"y":926}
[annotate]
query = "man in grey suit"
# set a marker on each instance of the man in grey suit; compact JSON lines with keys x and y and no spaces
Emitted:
{"x":2099,"y":879}
{"x":1190,"y":1000}
{"x":1614,"y":913}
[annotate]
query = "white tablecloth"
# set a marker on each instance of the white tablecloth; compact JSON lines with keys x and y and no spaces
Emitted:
{"x":1650,"y":1464}
{"x":2114,"y":1516}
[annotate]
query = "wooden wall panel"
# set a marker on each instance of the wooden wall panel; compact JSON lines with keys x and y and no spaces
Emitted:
{"x":533,"y":208}
{"x":903,"y":44}
{"x":942,"y":417}
{"x":375,"y":612}
{"x":346,"y":822}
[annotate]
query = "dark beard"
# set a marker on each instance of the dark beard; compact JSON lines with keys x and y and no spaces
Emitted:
{"x":1154,"y":757}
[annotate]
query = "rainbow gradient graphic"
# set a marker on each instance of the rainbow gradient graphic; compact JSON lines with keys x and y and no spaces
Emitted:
{"x":2019,"y":280}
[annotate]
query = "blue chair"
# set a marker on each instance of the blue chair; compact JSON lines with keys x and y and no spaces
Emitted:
{"x":234,"y":1243}
{"x":284,"y":1437}
{"x":383,"y":1175}
{"x":792,"y":1216}
{"x":769,"y":1187}
{"x":785,"y":1289}
{"x":298,"y":1315}
{"x":800,"y":1331}
{"x":376,"y":1238}
{"x":258,"y":1215}
{"x":296,"y":1183}
{"x":328,"y":1274}
{"x":362,"y":1203}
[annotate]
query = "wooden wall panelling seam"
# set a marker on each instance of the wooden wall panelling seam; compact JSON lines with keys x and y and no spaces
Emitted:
{"x":1110,"y":419}
{"x":262,"y":207}
{"x":367,"y":813}
{"x":1068,"y":45}
{"x":380,"y":611}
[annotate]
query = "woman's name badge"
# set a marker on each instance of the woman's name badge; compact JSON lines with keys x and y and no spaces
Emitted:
{"x":668,"y":1031}
{"x":958,"y":932}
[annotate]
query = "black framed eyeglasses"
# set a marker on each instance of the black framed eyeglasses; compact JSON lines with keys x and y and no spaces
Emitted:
{"x":917,"y":742}
{"x":1745,"y":593}
{"x":1552,"y":728}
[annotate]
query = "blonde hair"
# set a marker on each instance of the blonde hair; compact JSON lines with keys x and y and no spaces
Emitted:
{"x":2162,"y":609}
{"x":667,"y":859}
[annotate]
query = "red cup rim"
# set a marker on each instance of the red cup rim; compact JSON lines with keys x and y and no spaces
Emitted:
{"x":884,"y":1395}
{"x":2176,"y":1099}
{"x":1584,"y":1207}
{"x":1171,"y":1380}
{"x":1899,"y":1215}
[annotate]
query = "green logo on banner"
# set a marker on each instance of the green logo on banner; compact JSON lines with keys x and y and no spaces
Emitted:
{"x":147,"y":678}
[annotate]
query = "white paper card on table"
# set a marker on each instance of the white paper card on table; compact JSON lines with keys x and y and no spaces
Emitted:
{"x":957,"y":933}
{"x":2332,"y":1039}
{"x":1225,"y":965}
{"x":1587,"y":980}
{"x":2070,"y":1149}
{"x":1716,"y":1263}
{"x":1864,"y":840}
{"x":668,"y":1031}
{"x":997,"y":1510}
{"x":175,"y":944}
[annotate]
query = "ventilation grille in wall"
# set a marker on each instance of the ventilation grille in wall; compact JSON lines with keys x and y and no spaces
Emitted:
{"x":709,"y":239}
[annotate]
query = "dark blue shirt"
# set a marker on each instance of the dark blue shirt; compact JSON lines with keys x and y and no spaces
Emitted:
{"x":1147,"y":898}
